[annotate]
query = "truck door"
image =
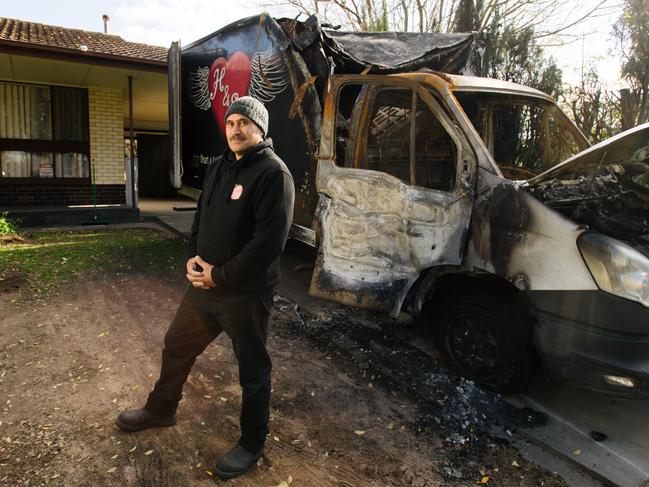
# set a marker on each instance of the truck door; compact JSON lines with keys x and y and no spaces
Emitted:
{"x":394,"y":179}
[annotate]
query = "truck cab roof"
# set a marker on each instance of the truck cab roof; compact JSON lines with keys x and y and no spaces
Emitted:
{"x":456,"y":82}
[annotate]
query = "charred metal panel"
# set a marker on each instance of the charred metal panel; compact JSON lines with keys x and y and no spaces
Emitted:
{"x":515,"y":236}
{"x":378,"y":234}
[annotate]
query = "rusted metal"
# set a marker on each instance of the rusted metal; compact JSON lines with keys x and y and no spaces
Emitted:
{"x":297,"y":100}
{"x":413,"y":136}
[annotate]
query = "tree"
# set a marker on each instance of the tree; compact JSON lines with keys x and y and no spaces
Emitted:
{"x":546,"y":17}
{"x":514,"y":55}
{"x":632,"y":34}
{"x":595,"y":110}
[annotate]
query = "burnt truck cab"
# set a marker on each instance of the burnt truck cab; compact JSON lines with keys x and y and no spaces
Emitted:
{"x":478,"y":205}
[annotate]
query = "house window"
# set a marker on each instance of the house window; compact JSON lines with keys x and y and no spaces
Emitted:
{"x":43,"y":131}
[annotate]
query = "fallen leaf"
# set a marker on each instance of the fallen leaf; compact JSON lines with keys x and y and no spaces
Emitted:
{"x":209,"y":473}
{"x":113,"y":457}
{"x":577,"y":452}
{"x":148,"y":452}
{"x":485,"y":480}
{"x":285,"y":483}
{"x":515,"y":464}
{"x":132,"y":449}
{"x":207,"y":396}
{"x":359,"y":432}
{"x":111,"y":470}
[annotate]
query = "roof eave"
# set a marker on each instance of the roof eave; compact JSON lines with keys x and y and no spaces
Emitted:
{"x":83,"y":57}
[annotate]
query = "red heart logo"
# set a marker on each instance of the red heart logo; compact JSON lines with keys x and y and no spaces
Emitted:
{"x":229,"y":79}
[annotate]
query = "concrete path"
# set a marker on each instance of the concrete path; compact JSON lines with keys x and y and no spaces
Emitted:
{"x":175,"y":214}
{"x":578,"y":419}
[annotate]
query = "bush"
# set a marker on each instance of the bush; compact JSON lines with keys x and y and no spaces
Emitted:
{"x":7,"y":226}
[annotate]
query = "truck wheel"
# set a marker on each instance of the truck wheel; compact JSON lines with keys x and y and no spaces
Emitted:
{"x":488,"y":341}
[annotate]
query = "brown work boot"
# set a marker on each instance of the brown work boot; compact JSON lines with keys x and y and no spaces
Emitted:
{"x":235,"y":462}
{"x":141,"y":419}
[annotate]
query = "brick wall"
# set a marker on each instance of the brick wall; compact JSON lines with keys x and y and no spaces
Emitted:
{"x":105,"y":107}
{"x":24,"y":192}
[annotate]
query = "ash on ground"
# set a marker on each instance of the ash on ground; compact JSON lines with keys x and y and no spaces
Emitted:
{"x":372,"y":348}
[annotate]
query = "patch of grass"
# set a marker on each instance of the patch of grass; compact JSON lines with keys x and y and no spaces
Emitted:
{"x":7,"y":226}
{"x":52,"y":260}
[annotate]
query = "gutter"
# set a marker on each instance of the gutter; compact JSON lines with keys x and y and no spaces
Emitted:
{"x":82,"y":57}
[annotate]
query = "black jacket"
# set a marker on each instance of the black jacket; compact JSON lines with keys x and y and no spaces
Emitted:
{"x":243,"y":218}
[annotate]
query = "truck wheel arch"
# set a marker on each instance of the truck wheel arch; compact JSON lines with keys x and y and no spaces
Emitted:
{"x":482,"y":325}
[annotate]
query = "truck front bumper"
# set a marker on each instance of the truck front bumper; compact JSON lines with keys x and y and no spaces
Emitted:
{"x":594,"y":340}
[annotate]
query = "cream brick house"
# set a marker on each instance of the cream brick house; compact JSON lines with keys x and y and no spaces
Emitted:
{"x":70,"y":103}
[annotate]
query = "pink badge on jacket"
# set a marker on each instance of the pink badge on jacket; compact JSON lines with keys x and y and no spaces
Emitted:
{"x":237,"y":191}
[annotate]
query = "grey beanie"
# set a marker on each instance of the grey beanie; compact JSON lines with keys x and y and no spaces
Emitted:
{"x":253,"y":109}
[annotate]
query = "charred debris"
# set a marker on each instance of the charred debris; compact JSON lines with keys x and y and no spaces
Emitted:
{"x":613,"y":200}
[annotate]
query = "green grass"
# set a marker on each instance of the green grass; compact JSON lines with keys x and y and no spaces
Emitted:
{"x":50,"y":261}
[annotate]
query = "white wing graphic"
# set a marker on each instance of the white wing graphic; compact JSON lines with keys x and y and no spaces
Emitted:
{"x":268,"y":75}
{"x":199,"y":88}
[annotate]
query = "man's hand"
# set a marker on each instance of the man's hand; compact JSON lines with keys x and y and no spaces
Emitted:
{"x":199,"y":273}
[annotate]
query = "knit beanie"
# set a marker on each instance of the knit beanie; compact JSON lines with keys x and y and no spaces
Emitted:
{"x":253,"y":109}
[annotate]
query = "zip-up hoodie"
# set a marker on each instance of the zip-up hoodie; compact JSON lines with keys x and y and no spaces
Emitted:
{"x":243,"y":218}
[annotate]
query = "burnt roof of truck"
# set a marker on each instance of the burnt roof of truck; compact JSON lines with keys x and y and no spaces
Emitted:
{"x":325,"y":50}
{"x":456,"y":82}
{"x":491,"y":85}
{"x":390,"y":52}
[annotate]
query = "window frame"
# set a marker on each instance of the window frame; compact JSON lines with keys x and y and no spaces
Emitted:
{"x":50,"y":145}
{"x":359,"y":123}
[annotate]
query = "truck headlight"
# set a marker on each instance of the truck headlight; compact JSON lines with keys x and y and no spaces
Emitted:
{"x":616,"y":267}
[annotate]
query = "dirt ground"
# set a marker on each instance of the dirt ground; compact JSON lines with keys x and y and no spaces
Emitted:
{"x":353,"y":404}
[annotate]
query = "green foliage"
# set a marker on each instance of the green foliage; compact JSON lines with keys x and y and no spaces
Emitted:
{"x":514,"y":55}
{"x":466,"y":17}
{"x":51,"y":261}
{"x":7,"y":226}
{"x":632,"y":34}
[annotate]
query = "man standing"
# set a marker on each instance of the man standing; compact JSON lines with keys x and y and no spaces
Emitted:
{"x":239,"y":231}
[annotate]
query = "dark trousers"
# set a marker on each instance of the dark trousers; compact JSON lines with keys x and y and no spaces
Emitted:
{"x":201,"y":317}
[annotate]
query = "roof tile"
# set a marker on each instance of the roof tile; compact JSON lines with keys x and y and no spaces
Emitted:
{"x":61,"y":37}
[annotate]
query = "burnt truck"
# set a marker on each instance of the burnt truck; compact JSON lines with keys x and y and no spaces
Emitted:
{"x":472,"y":203}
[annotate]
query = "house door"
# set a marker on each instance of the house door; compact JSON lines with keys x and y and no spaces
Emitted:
{"x":154,"y":166}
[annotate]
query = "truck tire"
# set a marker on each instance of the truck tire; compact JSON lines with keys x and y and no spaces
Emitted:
{"x":488,"y":339}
